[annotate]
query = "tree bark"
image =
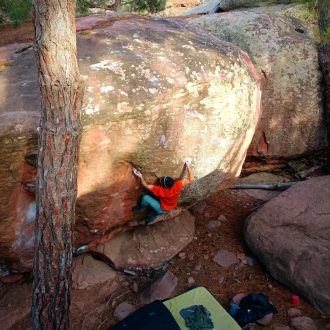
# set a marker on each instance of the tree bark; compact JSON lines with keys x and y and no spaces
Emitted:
{"x":324,"y":60}
{"x":59,"y":137}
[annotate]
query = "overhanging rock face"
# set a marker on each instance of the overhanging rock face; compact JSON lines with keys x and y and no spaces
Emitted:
{"x":157,"y":91}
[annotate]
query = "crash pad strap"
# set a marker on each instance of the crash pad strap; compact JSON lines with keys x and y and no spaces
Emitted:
{"x":200,"y":296}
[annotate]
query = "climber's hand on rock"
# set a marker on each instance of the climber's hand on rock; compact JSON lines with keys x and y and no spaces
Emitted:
{"x":137,"y":173}
{"x":187,"y":161}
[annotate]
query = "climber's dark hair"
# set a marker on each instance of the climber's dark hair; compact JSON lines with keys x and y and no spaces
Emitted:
{"x":166,"y":181}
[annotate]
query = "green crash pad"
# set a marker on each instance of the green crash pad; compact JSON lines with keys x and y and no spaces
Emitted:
{"x":200,"y":296}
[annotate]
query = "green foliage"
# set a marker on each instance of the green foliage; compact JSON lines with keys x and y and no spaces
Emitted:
{"x":151,"y":6}
{"x":311,"y":13}
{"x":83,"y":5}
{"x":16,"y":11}
{"x":325,"y":36}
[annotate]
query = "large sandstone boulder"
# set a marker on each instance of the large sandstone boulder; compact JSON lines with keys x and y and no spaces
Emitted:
{"x":157,"y":91}
{"x":291,"y":236}
{"x":284,"y":51}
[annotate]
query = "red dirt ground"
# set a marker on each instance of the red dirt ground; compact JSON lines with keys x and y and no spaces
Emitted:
{"x":235,"y":206}
{"x":10,"y":34}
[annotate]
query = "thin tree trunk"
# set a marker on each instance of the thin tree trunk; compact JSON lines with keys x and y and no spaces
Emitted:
{"x":324,"y":59}
{"x":265,"y":186}
{"x":59,"y":137}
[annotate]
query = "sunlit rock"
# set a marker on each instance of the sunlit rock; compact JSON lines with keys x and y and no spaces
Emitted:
{"x":157,"y":91}
{"x":284,"y":51}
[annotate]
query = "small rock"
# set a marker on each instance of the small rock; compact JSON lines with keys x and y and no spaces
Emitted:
{"x":213,"y":224}
{"x":225,"y":258}
{"x":124,"y":309}
{"x":191,"y":280}
{"x":241,"y":256}
{"x":246,"y":260}
{"x":87,"y":271}
{"x":135,"y":287}
{"x":294,"y":312}
{"x":221,"y":279}
{"x":250,"y":261}
{"x":266,"y":320}
{"x":182,"y":255}
{"x":161,"y":289}
{"x":191,"y":257}
{"x":198,"y":267}
{"x":302,"y":323}
{"x":206,"y":257}
{"x":222,"y":218}
{"x":209,"y":235}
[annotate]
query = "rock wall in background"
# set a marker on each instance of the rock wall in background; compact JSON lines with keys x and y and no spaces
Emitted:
{"x":284,"y":51}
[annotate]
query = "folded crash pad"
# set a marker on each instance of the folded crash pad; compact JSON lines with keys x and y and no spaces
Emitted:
{"x":200,"y":296}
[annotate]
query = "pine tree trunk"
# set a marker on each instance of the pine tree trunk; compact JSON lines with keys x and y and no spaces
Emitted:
{"x":324,"y":59}
{"x":59,"y":137}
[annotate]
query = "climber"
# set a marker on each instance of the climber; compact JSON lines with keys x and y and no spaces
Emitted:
{"x":167,"y":193}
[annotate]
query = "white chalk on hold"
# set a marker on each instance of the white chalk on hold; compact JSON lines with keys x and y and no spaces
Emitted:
{"x":82,"y":249}
{"x":137,"y":172}
{"x":188,"y":161}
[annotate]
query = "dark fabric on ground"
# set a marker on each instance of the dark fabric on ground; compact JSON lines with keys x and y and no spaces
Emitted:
{"x":251,"y":308}
{"x":150,"y":317}
{"x":197,"y":317}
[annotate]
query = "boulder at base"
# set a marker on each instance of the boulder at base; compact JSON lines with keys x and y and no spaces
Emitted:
{"x":291,"y":237}
{"x":284,"y":51}
{"x":86,"y":271}
{"x":157,"y":91}
{"x":149,"y":246}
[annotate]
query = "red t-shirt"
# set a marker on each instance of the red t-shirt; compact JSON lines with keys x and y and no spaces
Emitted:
{"x":168,"y":197}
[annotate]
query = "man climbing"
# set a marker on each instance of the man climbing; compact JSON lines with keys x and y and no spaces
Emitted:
{"x":167,"y":193}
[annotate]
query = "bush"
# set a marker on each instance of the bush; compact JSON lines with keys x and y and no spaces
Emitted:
{"x":151,"y":6}
{"x":83,"y":5}
{"x":17,"y":11}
